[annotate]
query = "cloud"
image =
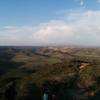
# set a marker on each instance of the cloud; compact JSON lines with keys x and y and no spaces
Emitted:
{"x":16,"y":35}
{"x":84,"y":29}
{"x":98,"y":1}
{"x":53,"y":32}
{"x":81,"y":3}
{"x":75,"y":28}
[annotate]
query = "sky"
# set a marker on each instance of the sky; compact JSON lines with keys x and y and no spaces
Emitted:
{"x":50,"y":22}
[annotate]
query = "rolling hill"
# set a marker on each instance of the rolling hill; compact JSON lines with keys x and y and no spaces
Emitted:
{"x":76,"y":72}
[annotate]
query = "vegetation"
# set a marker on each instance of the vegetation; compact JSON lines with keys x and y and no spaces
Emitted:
{"x":74,"y":73}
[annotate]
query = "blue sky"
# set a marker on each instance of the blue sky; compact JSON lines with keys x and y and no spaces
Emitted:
{"x":43,"y":22}
{"x":30,"y":12}
{"x":21,"y":12}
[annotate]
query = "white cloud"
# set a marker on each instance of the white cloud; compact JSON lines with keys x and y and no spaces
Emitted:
{"x":15,"y":35}
{"x":53,"y":32}
{"x":83,"y":29}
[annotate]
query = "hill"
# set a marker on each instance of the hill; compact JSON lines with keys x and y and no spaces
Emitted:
{"x":74,"y":73}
